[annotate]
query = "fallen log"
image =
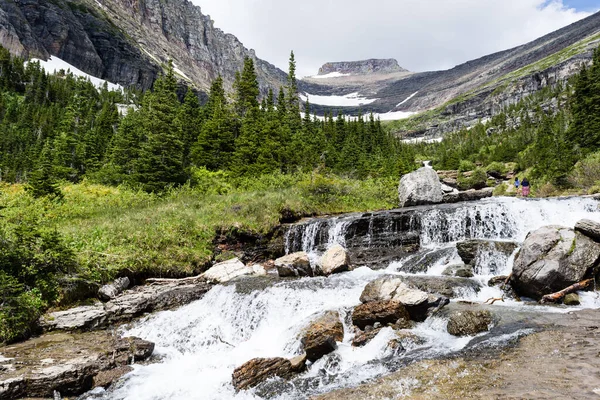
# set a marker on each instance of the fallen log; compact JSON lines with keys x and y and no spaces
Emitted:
{"x":494,"y":299}
{"x":171,"y":280}
{"x":558,"y":296}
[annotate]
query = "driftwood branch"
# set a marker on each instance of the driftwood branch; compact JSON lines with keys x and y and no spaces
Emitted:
{"x":492,"y":300}
{"x":168,"y":280}
{"x":558,"y":296}
{"x":507,"y":280}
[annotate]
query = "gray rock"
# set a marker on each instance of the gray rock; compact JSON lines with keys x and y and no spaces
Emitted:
{"x":131,"y":304}
{"x":420,"y":187}
{"x":460,"y":270}
{"x":445,"y":286}
{"x":417,"y":302}
{"x":476,"y":253}
{"x":112,"y":290}
{"x":322,"y":335}
{"x":468,"y":195}
{"x":335,"y":260}
{"x":226,"y":271}
{"x":589,"y":228}
{"x":572,"y":299}
{"x":468,"y":323}
{"x":74,"y":289}
{"x":553,"y":258}
{"x":296,"y":264}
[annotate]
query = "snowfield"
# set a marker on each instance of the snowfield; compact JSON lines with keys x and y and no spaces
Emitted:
{"x":329,"y":75}
{"x":55,"y":64}
{"x":348,"y":100}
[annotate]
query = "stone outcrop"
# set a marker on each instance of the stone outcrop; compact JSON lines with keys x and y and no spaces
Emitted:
{"x":468,"y":323}
{"x":459,"y":270}
{"x":321,"y":337}
{"x":69,"y":364}
{"x":553,"y":258}
{"x":589,"y":228}
{"x":419,"y":188}
{"x":227,"y":270}
{"x":383,"y":312}
{"x":125,"y":307}
{"x":418,"y":303}
{"x":259,"y":370}
{"x":365,"y":67}
{"x":335,"y":260}
{"x":296,"y":264}
{"x":74,"y":289}
{"x":112,"y":290}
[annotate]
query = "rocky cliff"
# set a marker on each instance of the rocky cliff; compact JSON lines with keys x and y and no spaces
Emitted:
{"x":372,"y":66}
{"x":128,"y":41}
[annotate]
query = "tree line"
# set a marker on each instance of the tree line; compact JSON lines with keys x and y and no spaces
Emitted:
{"x":60,"y":127}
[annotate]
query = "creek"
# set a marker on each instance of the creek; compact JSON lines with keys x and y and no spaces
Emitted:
{"x":199,"y":345}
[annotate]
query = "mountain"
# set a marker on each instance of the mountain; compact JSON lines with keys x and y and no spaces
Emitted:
{"x":469,"y":92}
{"x":127,"y":41}
{"x":372,"y":66}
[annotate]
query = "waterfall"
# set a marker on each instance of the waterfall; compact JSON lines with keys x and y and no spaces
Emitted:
{"x":199,"y":345}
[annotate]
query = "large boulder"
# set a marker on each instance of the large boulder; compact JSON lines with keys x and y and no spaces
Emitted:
{"x":419,"y":188}
{"x":227,"y":270}
{"x":335,"y":260}
{"x":74,"y":289}
{"x":417,"y":302}
{"x":296,"y":264}
{"x":553,"y":258}
{"x":383,"y":312}
{"x":112,"y":290}
{"x":322,"y":335}
{"x":259,"y":370}
{"x":468,"y":323}
{"x":589,"y":228}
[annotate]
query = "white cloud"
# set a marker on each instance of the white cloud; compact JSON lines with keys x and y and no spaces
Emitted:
{"x":421,"y":34}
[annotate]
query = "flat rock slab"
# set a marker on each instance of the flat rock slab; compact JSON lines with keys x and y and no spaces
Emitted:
{"x":67,"y":363}
{"x":130,"y":304}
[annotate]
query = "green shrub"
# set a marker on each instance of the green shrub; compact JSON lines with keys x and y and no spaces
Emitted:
{"x":586,"y":172}
{"x":496,"y":169}
{"x":466,"y":165}
{"x":210,"y":182}
{"x":476,"y":180}
{"x":500,"y":190}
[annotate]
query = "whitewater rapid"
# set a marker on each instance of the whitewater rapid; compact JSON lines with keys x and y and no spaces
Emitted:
{"x":199,"y":345}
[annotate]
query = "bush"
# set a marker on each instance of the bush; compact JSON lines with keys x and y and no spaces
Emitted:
{"x":496,"y":169}
{"x":500,"y":190}
{"x":476,"y":180}
{"x":586,"y":172}
{"x":466,"y":165}
{"x":210,"y":182}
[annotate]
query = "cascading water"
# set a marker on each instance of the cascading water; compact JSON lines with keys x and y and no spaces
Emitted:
{"x":199,"y":345}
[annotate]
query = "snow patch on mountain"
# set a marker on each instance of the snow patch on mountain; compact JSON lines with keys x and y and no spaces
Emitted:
{"x":55,"y":64}
{"x":348,"y":100}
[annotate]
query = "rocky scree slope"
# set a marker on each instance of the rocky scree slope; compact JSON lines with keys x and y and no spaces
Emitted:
{"x":476,"y":89}
{"x":127,"y":41}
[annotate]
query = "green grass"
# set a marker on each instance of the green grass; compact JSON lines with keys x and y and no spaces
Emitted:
{"x":119,"y":230}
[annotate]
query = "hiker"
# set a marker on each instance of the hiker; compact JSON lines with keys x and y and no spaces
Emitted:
{"x":517,"y":183}
{"x":525,"y":185}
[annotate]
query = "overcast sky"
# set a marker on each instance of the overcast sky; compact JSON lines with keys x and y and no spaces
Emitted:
{"x":422,"y":35}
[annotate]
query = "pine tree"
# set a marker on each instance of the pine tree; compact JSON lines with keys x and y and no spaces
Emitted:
{"x":160,"y":163}
{"x":42,"y":181}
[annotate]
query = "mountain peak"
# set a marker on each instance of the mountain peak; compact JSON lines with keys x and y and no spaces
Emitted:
{"x":363,"y":67}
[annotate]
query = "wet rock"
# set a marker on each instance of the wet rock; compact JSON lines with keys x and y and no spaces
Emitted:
{"x":298,"y":363}
{"x":468,"y":195}
{"x":112,"y":290}
{"x":322,"y":335}
{"x":259,"y":370}
{"x":460,"y":270}
{"x":128,"y":305}
{"x":296,"y":264}
{"x":477,"y":252}
{"x":227,"y":270}
{"x":69,"y":364}
{"x":589,"y":228}
{"x":385,"y":312}
{"x":572,"y":299}
{"x":497,"y":280}
{"x":74,"y":289}
{"x":335,"y":260}
{"x":468,"y":323}
{"x":553,"y":258}
{"x":363,"y":337}
{"x":420,"y":187}
{"x":425,"y":259}
{"x":79,"y":318}
{"x":417,"y":302}
{"x":446,"y":286}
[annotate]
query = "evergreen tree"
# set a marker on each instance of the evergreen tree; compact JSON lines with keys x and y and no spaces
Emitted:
{"x":41,"y":181}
